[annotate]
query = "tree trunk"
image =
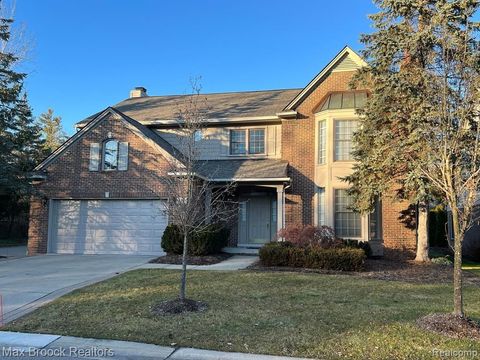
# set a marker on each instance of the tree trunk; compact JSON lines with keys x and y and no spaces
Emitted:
{"x":422,"y":234}
{"x":183,"y":283}
{"x":457,"y":265}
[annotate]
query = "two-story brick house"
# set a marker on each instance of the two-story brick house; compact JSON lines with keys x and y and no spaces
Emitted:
{"x":286,"y":150}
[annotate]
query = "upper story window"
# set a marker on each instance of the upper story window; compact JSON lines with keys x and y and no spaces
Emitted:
{"x":345,"y":100}
{"x":344,"y":130}
{"x":247,"y":142}
{"x":198,"y":135}
{"x":110,"y":155}
{"x":322,"y":142}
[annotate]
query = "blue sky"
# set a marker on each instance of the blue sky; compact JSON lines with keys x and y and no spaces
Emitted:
{"x":88,"y":54}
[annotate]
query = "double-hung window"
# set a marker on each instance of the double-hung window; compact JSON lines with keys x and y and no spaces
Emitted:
{"x":322,"y":142}
{"x":344,"y":130}
{"x":347,"y":222}
{"x":321,"y":206}
{"x":247,"y":142}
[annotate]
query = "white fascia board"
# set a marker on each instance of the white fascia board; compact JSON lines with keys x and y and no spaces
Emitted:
{"x":346,"y":50}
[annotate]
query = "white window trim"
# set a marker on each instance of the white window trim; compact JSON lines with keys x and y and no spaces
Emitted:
{"x":103,"y":153}
{"x":334,"y":148}
{"x":362,"y":217}
{"x":247,"y":141}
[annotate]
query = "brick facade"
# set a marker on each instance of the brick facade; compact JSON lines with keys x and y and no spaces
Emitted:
{"x":68,"y":177}
{"x":298,"y":140}
{"x":298,"y":148}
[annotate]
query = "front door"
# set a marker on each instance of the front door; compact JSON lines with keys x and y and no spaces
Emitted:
{"x":259,"y":220}
{"x":255,"y":220}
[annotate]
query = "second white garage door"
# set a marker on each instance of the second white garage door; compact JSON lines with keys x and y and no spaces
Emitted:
{"x":107,"y":226}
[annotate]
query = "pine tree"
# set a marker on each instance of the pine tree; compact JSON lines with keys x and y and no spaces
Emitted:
{"x":11,"y":83}
{"x":420,"y":133}
{"x":19,"y":135}
{"x":52,"y":131}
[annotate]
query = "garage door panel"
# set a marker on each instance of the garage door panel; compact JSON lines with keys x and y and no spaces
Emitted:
{"x":107,"y":226}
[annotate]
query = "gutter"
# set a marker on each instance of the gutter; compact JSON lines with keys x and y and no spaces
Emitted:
{"x":290,"y":114}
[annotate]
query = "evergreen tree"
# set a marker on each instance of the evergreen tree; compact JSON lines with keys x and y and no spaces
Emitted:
{"x":52,"y":131}
{"x":19,"y":135}
{"x":11,"y":83}
{"x":420,"y":133}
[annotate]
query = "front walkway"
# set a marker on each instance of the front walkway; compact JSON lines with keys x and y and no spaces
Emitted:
{"x":62,"y":346}
{"x":236,"y":262}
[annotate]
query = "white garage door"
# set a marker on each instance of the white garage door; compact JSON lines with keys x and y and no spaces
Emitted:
{"x":107,"y":226}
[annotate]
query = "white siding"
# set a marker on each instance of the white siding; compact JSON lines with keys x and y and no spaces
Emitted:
{"x":215,"y":143}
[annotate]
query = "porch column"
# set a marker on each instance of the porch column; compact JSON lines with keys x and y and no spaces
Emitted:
{"x":280,"y":207}
{"x":208,"y":204}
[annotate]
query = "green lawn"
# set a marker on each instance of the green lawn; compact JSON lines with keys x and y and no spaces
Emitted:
{"x":295,"y":314}
{"x":471,"y":266}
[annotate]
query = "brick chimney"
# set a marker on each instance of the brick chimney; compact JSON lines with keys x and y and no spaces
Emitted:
{"x":137,"y":92}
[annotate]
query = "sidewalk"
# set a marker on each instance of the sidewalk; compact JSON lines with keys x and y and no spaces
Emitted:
{"x":236,"y":262}
{"x":41,"y":346}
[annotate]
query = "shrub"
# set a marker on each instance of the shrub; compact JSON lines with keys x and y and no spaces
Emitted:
{"x":172,"y":241}
{"x":305,"y":235}
{"x":346,"y":259}
{"x":275,"y":253}
{"x":209,"y":241}
{"x":315,"y":257}
{"x":357,"y":244}
{"x":442,"y":261}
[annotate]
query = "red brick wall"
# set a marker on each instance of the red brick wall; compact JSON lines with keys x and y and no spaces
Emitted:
{"x":68,"y":177}
{"x":399,"y":235}
{"x":298,"y":148}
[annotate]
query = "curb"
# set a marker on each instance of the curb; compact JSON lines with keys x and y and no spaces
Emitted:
{"x":120,"y":349}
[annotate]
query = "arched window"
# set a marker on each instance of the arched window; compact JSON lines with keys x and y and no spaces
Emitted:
{"x":110,"y":155}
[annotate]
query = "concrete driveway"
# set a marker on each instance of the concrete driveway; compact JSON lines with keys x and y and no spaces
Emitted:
{"x":30,"y":282}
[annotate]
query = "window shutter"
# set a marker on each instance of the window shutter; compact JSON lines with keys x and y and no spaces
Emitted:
{"x":271,"y":143}
{"x":94,"y":157}
{"x":123,"y":156}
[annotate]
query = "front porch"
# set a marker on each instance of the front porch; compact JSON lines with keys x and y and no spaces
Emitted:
{"x":259,"y":218}
{"x":259,"y":196}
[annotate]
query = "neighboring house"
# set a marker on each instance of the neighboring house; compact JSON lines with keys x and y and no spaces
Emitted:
{"x":102,"y":191}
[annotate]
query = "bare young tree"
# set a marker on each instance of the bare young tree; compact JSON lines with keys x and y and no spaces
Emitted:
{"x":20,"y":42}
{"x":194,"y":201}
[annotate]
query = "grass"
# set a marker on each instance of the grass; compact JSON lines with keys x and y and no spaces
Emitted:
{"x":471,"y":266}
{"x":293,"y":314}
{"x":12,"y":242}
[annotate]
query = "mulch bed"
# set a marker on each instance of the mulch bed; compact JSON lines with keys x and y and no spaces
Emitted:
{"x":390,"y":270}
{"x":450,"y":325}
{"x":177,"y":306}
{"x":191,"y":260}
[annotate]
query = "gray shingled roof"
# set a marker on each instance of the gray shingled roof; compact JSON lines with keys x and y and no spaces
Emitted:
{"x":243,"y":169}
{"x":221,"y":105}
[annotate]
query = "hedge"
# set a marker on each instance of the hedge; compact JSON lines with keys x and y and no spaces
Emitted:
{"x":285,"y":254}
{"x":208,"y":241}
{"x":358,"y":244}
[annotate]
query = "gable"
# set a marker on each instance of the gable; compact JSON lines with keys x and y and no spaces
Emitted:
{"x":346,"y":63}
{"x":346,"y":60}
{"x":147,"y":135}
